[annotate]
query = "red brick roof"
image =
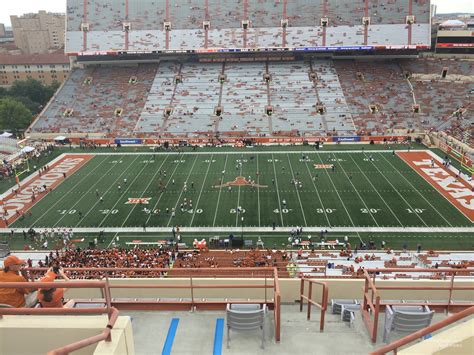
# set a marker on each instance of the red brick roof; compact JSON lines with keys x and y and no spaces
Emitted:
{"x":50,"y":58}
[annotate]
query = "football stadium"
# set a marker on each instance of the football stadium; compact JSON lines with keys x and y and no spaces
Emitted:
{"x":211,"y":169}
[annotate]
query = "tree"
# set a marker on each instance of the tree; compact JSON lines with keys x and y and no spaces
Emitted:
{"x":34,"y":107}
{"x":31,"y":88}
{"x":3,"y":92}
{"x":14,"y":116}
{"x":50,"y":90}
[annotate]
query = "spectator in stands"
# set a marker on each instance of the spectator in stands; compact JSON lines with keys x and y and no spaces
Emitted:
{"x":12,"y":272}
{"x":53,"y":297}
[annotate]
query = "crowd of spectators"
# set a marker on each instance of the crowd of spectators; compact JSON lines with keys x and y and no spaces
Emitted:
{"x":166,"y":258}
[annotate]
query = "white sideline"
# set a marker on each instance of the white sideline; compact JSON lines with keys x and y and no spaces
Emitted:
{"x":253,"y":152}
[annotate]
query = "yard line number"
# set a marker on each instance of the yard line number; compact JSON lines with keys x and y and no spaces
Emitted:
{"x":325,"y":210}
{"x":415,"y":210}
{"x":283,"y":210}
{"x":370,"y":210}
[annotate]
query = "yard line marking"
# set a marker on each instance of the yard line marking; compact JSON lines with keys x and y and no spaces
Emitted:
{"x":161,"y":194}
{"x":317,"y":192}
{"x":238,"y":195}
{"x":146,"y":188}
{"x":297,"y":192}
{"x":110,"y":187}
{"x":419,"y":193}
{"x":128,"y":187}
{"x":181,"y":193}
{"x":340,"y":199}
{"x":258,"y":193}
{"x":220,"y":190}
{"x":399,"y":194}
{"x":156,"y":204}
{"x":200,"y":192}
{"x":358,"y":194}
{"x":85,"y":194}
{"x":371,"y":184}
{"x":278,"y":191}
{"x":67,"y":193}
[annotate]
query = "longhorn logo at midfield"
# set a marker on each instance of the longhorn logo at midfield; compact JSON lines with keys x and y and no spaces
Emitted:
{"x":240,"y":181}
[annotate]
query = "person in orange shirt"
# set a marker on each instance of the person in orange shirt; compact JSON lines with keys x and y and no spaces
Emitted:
{"x":12,"y":272}
{"x":53,"y":297}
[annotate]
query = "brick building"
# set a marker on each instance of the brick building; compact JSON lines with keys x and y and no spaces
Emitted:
{"x":46,"y":68}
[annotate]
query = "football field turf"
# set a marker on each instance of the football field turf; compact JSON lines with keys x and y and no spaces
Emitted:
{"x":362,"y":192}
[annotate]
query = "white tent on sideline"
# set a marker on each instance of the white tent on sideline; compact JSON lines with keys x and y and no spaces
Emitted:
{"x":27,"y":149}
{"x":60,"y":138}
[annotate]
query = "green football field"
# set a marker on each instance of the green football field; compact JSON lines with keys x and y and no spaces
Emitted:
{"x":359,"y":193}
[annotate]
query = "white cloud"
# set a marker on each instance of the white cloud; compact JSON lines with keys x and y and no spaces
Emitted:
{"x":449,"y":6}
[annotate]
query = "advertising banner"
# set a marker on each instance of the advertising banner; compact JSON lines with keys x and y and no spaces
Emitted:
{"x":128,"y":141}
{"x":346,"y":139}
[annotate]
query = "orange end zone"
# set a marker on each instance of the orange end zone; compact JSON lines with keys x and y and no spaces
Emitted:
{"x":21,"y":199}
{"x":457,"y":191}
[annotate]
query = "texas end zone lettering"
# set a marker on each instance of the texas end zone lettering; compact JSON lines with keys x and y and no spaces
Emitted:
{"x":457,"y":191}
{"x":13,"y":205}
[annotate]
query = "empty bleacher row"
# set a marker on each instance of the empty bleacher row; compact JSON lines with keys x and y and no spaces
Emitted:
{"x":321,"y":97}
{"x":148,"y":25}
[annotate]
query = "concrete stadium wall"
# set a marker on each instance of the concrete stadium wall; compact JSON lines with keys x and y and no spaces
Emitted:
{"x":457,"y":340}
{"x":290,"y":289}
{"x":32,"y":335}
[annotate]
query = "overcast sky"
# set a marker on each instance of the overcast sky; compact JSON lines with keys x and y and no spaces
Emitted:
{"x":20,"y":7}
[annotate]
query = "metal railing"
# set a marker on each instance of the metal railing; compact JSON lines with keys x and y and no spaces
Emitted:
{"x":323,"y":305}
{"x":265,"y":274}
{"x":111,"y":312}
{"x":394,"y":346}
{"x":372,"y":302}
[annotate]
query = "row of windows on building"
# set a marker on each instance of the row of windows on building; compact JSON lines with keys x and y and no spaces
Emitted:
{"x":29,"y":71}
{"x":41,"y":76}
{"x":38,"y":66}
